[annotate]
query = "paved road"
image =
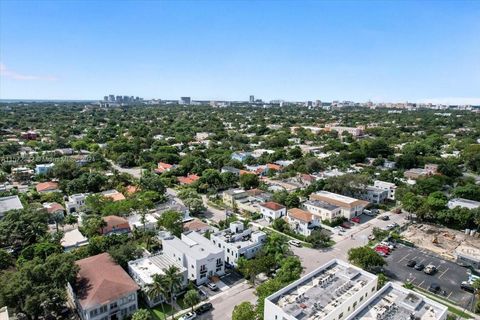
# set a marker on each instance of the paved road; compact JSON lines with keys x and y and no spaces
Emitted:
{"x":136,"y":172}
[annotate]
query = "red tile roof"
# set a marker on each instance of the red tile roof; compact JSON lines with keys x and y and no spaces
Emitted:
{"x":300,"y":214}
{"x":131,"y":189}
{"x":114,"y":223}
{"x":275,"y":167}
{"x":191,"y":178}
{"x":100,"y":280}
{"x":195,"y":225}
{"x":115,"y":196}
{"x":47,"y":186}
{"x":272,"y":206}
{"x":53,"y":207}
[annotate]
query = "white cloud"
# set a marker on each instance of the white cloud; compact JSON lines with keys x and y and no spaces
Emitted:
{"x":7,"y":73}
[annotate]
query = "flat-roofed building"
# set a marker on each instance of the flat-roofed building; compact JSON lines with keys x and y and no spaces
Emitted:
{"x":331,"y":292}
{"x":394,"y":302}
{"x":350,"y":207}
{"x":197,"y":254}
{"x":374,"y":195}
{"x":72,"y":240}
{"x":76,"y":202}
{"x":468,"y":255}
{"x":9,"y":203}
{"x":324,"y":210}
{"x":238,"y":242}
{"x":463,"y":203}
{"x":143,"y":271}
{"x":390,"y":187}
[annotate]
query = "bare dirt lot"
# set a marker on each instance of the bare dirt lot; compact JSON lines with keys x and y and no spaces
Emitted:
{"x":441,"y":241}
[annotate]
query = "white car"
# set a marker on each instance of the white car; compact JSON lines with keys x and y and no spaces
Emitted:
{"x":387,"y":244}
{"x":212,"y":286}
{"x":295,"y":243}
{"x":188,"y":316}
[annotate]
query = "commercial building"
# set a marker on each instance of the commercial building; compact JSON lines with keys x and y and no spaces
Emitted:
{"x":103,"y":290}
{"x":197,"y":254}
{"x":272,"y":210}
{"x":388,"y":186}
{"x":350,"y":207}
{"x":238,"y":242}
{"x":324,"y":210}
{"x":393,"y":302}
{"x":331,"y":292}
{"x":9,"y":203}
{"x":143,"y":271}
{"x":463,"y":203}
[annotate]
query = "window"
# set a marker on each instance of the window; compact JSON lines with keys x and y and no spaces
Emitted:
{"x":113,"y":305}
{"x":203,"y":268}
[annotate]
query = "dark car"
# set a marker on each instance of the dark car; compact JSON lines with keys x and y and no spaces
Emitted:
{"x":419,"y":266}
{"x":385,"y":218}
{"x":467,"y":287}
{"x":204,"y":308}
{"x":435,"y":288}
{"x":411,"y":263}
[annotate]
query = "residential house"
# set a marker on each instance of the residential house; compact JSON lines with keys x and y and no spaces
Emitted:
{"x":350,"y":207}
{"x":388,"y":186}
{"x":46,"y":187}
{"x":197,"y":254}
{"x":76,"y":202}
{"x":53,"y":208}
{"x":416,"y":173}
{"x":196,"y":225}
{"x":9,"y":203}
{"x":302,"y":222}
{"x":144,"y":269}
{"x":113,"y":195}
{"x":115,"y":225}
{"x":325,"y":211}
{"x":374,"y":195}
{"x":272,"y":210}
{"x":44,"y":168}
{"x":163,"y":167}
{"x":22,"y":174}
{"x":233,"y":170}
{"x":103,"y":290}
{"x":240,"y":156}
{"x":73,"y":239}
{"x":135,"y":221}
{"x":238,"y":242}
{"x":188,"y":180}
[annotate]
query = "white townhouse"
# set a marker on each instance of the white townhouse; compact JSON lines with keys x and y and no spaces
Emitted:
{"x":197,"y":254}
{"x":76,"y":202}
{"x":390,"y":187}
{"x":302,"y":222}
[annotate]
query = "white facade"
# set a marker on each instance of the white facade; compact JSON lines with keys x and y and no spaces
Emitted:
{"x":331,"y":292}
{"x":394,"y":302}
{"x":197,"y":254}
{"x":323,"y":210}
{"x":76,"y":202}
{"x":390,"y":187}
{"x":350,"y":207}
{"x":272,"y":212}
{"x":237,"y":242}
{"x":143,"y":270}
{"x":302,"y":222}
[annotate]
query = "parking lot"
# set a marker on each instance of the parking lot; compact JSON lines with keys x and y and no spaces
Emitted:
{"x":449,"y":275}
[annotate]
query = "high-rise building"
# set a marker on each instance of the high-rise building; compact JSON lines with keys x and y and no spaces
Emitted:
{"x":252,"y":99}
{"x":111,"y":98}
{"x":118,"y":99}
{"x":185,"y":100}
{"x":105,"y":98}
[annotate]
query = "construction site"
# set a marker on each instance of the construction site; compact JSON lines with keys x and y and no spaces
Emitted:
{"x":440,"y":240}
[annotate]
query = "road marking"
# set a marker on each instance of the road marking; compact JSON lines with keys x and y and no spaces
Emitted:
{"x":450,"y":294}
{"x":443,"y":273}
{"x":420,"y":284}
{"x":405,"y":257}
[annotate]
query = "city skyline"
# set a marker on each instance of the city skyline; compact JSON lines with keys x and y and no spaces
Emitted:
{"x":359,"y":51}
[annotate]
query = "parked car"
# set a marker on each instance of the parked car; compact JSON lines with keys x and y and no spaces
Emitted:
{"x":212,"y":286}
{"x":419,"y":267}
{"x":381,"y":253}
{"x":384,"y":249}
{"x":356,"y":219}
{"x":371,"y":237}
{"x":411,"y":263}
{"x":295,"y":243}
{"x":387,"y":244}
{"x":385,"y":218}
{"x":368,"y":213}
{"x":188,"y":316}
{"x":346,"y":225}
{"x":430,"y":269}
{"x":435,"y":288}
{"x":203,"y":295}
{"x":467,"y":286}
{"x":204,"y":308}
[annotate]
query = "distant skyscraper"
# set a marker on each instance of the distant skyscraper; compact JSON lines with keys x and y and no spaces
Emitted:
{"x":111,"y":98}
{"x":318,"y":103}
{"x":185,"y":100}
{"x":105,"y":98}
{"x":252,"y":99}
{"x":118,"y":99}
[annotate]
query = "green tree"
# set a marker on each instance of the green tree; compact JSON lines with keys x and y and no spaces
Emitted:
{"x":319,"y":239}
{"x":292,"y":200}
{"x":124,"y":253}
{"x":6,"y":260}
{"x":153,"y":182}
{"x":171,"y":220}
{"x":249,"y":181}
{"x":365,"y":258}
{"x":174,"y":281}
{"x":191,"y":298}
{"x":244,"y":311}
{"x":192,"y":200}
{"x":141,"y":314}
{"x":158,"y":288}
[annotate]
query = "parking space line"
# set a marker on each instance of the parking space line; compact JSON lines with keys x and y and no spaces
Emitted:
{"x":449,"y":294}
{"x":443,"y":273}
{"x":420,"y":284}
{"x":405,"y":257}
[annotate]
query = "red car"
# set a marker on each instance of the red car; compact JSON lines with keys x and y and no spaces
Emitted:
{"x":345,"y":225}
{"x":382,"y":249}
{"x":356,"y":219}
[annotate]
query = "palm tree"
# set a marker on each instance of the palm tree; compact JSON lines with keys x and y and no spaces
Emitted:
{"x":192,"y":298}
{"x":159,"y":287}
{"x":174,"y":280}
{"x":276,"y":246}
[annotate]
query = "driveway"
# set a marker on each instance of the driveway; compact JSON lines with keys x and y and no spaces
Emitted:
{"x":449,"y":275}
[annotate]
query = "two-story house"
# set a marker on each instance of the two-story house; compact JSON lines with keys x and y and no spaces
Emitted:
{"x":272,"y":210}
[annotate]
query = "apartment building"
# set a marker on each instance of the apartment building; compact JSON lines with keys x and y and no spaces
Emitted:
{"x":197,"y":254}
{"x":272,"y":210}
{"x":324,"y":210}
{"x":331,"y":292}
{"x":103,"y":290}
{"x":238,"y":242}
{"x":350,"y":207}
{"x":374,"y":195}
{"x":393,"y":302}
{"x":143,"y":271}
{"x":388,"y":186}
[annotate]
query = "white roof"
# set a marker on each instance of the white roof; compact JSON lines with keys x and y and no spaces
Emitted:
{"x":146,"y":268}
{"x":193,"y":244}
{"x":336,"y":196}
{"x":10,"y":203}
{"x":73,"y":238}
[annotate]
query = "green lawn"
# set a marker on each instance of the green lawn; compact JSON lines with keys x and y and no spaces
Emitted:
{"x":157,"y":311}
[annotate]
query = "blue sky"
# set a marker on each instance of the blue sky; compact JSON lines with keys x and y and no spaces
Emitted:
{"x":292,"y":50}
